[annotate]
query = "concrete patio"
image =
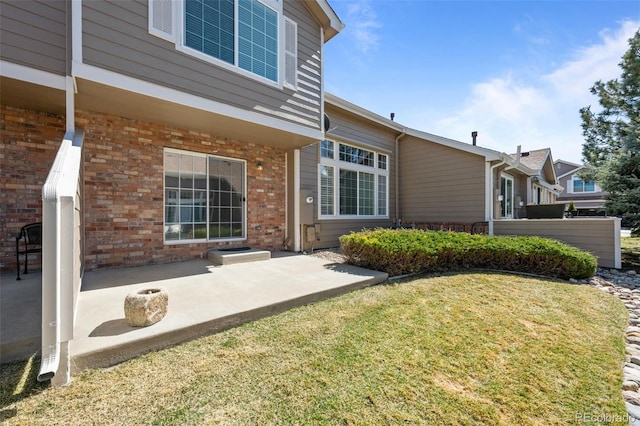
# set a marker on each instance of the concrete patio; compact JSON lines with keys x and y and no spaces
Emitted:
{"x":203,"y":299}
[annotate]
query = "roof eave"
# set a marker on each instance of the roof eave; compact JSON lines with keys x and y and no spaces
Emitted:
{"x":359,"y":111}
{"x":488,"y":154}
{"x":327,"y":17}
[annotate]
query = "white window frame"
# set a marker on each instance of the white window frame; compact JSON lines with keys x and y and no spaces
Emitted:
{"x":338,"y":165}
{"x":572,"y":190}
{"x":503,"y":203}
{"x":177,"y":36}
{"x":244,"y":206}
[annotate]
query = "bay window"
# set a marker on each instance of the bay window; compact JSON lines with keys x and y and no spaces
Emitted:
{"x":353,"y":181}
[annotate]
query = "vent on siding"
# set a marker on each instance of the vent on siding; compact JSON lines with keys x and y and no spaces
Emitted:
{"x":290,"y":53}
{"x":161,"y":19}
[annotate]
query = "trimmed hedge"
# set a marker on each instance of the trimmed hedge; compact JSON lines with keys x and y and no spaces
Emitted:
{"x":407,"y":251}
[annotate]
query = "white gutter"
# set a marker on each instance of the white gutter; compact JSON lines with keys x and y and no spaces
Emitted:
{"x":296,"y":201}
{"x":59,"y":260}
{"x":397,"y":155}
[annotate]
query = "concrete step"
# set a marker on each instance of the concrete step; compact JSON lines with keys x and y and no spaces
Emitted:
{"x":238,"y":255}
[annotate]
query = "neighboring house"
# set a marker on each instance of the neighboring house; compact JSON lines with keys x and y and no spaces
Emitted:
{"x":371,"y":171}
{"x":190,"y":113}
{"x":534,"y":181}
{"x":587,"y":196}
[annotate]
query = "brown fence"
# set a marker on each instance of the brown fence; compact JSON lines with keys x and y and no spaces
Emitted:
{"x":600,"y":236}
{"x":470,"y":227}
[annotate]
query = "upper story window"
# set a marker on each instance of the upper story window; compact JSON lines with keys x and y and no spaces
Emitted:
{"x":251,"y":37}
{"x":352,"y":181}
{"x":581,"y":186}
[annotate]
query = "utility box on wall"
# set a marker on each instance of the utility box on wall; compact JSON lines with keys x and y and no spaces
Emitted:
{"x":308,"y":230}
{"x":307,"y":203}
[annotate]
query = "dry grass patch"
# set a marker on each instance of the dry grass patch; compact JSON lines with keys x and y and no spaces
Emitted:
{"x":465,"y":349}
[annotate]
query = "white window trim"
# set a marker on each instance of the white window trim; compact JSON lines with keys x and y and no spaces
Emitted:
{"x":244,"y":207}
{"x":570,"y":189}
{"x":343,"y":165}
{"x":510,"y":178}
{"x":181,"y":47}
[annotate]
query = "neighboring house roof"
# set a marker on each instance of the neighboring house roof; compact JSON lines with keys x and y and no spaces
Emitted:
{"x":535,"y":159}
{"x":541,"y":161}
{"x":573,"y":168}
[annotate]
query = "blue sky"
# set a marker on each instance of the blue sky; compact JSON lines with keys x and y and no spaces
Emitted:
{"x":515,"y":71}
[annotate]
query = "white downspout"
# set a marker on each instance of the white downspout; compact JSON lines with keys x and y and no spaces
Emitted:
{"x":490,"y":194}
{"x":397,"y":154}
{"x":296,"y":201}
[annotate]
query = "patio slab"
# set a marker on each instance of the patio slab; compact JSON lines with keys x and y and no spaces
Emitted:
{"x":20,"y":315}
{"x":203,"y":299}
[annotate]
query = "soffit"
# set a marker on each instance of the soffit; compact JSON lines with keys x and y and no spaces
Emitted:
{"x":31,"y":96}
{"x":101,"y":98}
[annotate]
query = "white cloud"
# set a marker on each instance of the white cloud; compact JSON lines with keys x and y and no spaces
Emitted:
{"x":362,"y":24}
{"x":542,"y":112}
{"x":592,"y":63}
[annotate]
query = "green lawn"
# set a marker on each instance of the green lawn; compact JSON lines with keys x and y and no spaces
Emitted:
{"x":465,"y":349}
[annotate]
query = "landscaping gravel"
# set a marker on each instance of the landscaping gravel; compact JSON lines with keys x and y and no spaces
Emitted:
{"x":626,"y":287}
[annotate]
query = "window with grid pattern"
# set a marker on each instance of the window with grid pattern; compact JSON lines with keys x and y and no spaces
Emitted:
{"x":243,"y":33}
{"x":356,"y":181}
{"x":204,"y":197}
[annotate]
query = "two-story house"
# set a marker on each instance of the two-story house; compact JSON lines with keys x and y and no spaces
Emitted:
{"x":190,"y":114}
{"x":587,"y":196}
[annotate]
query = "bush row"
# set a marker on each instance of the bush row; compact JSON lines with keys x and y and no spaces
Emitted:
{"x":407,"y":251}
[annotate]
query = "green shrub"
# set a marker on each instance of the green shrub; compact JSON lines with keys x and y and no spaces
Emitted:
{"x":407,"y":251}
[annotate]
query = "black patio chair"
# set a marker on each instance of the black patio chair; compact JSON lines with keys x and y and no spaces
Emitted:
{"x":31,"y":237}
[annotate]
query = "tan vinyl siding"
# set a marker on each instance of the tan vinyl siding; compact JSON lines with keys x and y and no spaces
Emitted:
{"x":562,"y":168}
{"x":521,"y":191}
{"x":353,"y":130}
{"x":439,"y":183}
{"x":33,"y":34}
{"x":116,"y":38}
{"x":332,"y":229}
{"x":598,"y":236}
{"x":356,"y":129}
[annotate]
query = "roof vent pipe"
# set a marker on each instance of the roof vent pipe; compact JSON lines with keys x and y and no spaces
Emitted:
{"x":393,"y":115}
{"x":474,"y":135}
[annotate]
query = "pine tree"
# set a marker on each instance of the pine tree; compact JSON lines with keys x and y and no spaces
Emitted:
{"x":611,"y":151}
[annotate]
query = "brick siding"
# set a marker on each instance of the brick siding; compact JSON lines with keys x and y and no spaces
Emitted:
{"x":29,"y":141}
{"x":123,"y":190}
